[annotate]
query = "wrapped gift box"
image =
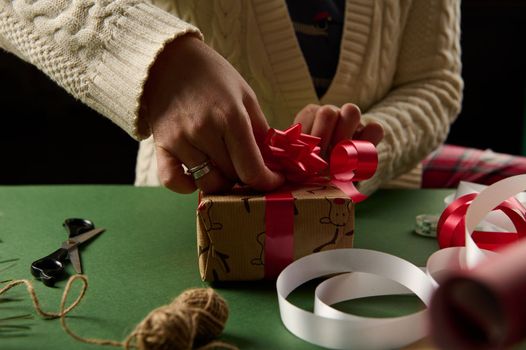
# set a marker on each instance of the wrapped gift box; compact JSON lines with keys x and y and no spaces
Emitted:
{"x":233,"y":242}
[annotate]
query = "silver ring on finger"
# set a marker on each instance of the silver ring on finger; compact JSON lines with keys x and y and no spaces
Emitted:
{"x":200,"y":170}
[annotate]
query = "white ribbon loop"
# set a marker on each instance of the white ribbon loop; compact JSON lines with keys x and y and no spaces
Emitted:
{"x":376,"y":270}
{"x":374,"y":273}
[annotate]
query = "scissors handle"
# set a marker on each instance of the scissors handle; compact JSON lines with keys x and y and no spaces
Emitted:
{"x":49,"y":268}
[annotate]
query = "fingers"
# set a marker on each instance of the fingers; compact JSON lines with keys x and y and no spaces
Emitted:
{"x":172,"y":176}
{"x":306,"y":117}
{"x":347,"y":124}
{"x":257,"y":118}
{"x":208,"y":141}
{"x":324,"y":124}
{"x":372,"y":132}
{"x":246,"y":156}
{"x":171,"y":173}
{"x":319,"y":121}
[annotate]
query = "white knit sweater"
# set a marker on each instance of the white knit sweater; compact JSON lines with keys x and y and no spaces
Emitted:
{"x":399,"y":61}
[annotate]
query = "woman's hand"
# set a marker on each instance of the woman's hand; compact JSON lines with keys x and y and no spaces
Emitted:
{"x":199,"y":108}
{"x":333,"y":124}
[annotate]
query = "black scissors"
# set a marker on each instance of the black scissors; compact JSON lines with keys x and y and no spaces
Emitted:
{"x":50,"y":268}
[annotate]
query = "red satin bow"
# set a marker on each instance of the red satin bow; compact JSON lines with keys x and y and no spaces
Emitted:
{"x":451,"y":225}
{"x":297,"y":157}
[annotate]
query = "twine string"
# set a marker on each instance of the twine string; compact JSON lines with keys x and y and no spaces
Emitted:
{"x":192,"y":320}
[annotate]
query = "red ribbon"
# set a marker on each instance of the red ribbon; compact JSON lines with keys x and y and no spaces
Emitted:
{"x":352,"y":161}
{"x":451,"y":228}
{"x":279,"y":233}
{"x":297,"y":157}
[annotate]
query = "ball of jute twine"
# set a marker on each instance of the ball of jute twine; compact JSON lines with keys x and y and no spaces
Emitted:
{"x":192,"y":320}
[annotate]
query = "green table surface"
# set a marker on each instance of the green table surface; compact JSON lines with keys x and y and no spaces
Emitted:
{"x":148,"y":256}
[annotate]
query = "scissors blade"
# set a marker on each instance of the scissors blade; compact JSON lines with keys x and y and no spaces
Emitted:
{"x":75,"y":241}
{"x":74,"y":257}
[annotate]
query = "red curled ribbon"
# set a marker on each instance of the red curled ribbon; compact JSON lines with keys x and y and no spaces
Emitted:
{"x":297,"y":157}
{"x":451,"y":225}
{"x":352,"y":161}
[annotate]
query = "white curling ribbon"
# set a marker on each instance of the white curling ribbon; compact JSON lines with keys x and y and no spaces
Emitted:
{"x":374,"y":273}
{"x":379,"y":273}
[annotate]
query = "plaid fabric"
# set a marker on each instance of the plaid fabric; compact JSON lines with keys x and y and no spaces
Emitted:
{"x":449,"y":165}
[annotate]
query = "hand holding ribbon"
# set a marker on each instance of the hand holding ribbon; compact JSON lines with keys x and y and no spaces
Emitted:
{"x":297,"y":157}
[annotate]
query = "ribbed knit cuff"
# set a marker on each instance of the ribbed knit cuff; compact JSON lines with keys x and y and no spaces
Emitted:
{"x":118,"y":79}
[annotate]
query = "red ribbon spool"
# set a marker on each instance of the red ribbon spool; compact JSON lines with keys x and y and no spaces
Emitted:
{"x":451,"y":225}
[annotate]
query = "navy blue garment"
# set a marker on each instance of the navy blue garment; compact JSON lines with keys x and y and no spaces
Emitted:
{"x":319,"y":25}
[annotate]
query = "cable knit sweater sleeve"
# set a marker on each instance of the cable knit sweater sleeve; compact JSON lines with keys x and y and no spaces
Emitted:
{"x":426,"y":96}
{"x":98,"y":50}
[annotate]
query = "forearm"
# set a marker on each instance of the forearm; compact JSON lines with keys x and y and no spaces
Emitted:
{"x":99,"y":51}
{"x":426,"y":95}
{"x":416,"y":119}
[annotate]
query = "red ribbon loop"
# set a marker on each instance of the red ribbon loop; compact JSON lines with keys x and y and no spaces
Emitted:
{"x":451,"y":225}
{"x":297,"y":157}
{"x":352,"y":161}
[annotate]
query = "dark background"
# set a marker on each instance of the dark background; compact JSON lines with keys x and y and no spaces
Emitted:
{"x":47,"y":137}
{"x":494,"y":70}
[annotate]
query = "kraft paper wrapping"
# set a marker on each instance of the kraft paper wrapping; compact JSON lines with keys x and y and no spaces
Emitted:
{"x":231,"y":230}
